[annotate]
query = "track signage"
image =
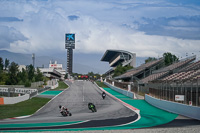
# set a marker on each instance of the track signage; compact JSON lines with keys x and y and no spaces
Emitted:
{"x":69,"y":41}
{"x":179,"y":97}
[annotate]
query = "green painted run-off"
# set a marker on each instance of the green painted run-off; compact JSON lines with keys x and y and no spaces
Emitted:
{"x":51,"y":93}
{"x":150,"y":115}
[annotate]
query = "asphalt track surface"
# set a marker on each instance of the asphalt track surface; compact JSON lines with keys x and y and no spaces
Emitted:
{"x":76,"y":98}
{"x":152,"y":119}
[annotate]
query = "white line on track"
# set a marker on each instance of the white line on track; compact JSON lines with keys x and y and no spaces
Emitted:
{"x":83,"y":93}
{"x":125,"y":104}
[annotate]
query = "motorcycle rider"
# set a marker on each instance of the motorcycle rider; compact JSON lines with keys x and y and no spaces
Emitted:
{"x":91,"y":106}
{"x":62,"y":108}
{"x":103,"y":95}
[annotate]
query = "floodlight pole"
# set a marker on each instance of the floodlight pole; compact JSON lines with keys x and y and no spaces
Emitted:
{"x":33,"y":58}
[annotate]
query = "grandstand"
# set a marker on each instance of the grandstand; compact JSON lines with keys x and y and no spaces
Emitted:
{"x":192,"y":66}
{"x":153,"y":77}
{"x":184,"y":81}
{"x":117,"y":57}
{"x":163,"y":72}
{"x":188,"y":73}
{"x":177,"y":65}
{"x":165,"y":82}
{"x":141,"y":71}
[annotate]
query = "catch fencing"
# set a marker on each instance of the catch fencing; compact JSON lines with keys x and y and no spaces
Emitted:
{"x":181,"y":92}
{"x":130,"y":86}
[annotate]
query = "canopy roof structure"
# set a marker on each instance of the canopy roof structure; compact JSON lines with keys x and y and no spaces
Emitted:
{"x":116,"y":57}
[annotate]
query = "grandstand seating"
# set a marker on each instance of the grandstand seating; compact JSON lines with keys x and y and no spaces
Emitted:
{"x":183,"y":76}
{"x":177,"y":64}
{"x":192,"y":66}
{"x":153,"y":77}
{"x":164,"y":71}
{"x":187,"y":73}
{"x":139,"y":69}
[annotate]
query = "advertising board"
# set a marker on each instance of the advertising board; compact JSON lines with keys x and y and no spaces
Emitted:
{"x":179,"y":97}
{"x":69,"y":41}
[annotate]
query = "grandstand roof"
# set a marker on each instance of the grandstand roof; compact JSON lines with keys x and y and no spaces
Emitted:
{"x":116,"y":57}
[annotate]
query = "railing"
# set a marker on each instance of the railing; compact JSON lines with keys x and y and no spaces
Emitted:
{"x":122,"y":85}
{"x":129,"y":86}
{"x":181,"y":92}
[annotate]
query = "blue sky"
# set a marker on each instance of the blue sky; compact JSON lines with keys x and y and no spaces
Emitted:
{"x":145,"y":27}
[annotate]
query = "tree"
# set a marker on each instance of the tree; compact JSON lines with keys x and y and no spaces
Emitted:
{"x":30,"y":70}
{"x":13,"y":70}
{"x":3,"y":78}
{"x":66,"y":75}
{"x":38,"y":76}
{"x":120,"y":70}
{"x":1,"y":64}
{"x":7,"y":62}
{"x":93,"y":75}
{"x":22,"y":76}
{"x":150,"y":59}
{"x":169,"y":58}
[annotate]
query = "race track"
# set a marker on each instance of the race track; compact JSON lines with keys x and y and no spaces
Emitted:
{"x":110,"y":112}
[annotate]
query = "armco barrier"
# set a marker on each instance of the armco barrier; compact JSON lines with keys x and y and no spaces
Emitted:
{"x":124,"y":92}
{"x":177,"y":108}
{"x":13,"y":100}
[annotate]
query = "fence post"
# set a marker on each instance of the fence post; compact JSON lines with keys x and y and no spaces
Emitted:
{"x":197,"y":94}
{"x":185,"y":100}
{"x":9,"y":92}
{"x":173,"y":93}
{"x":191,"y":93}
{"x":113,"y":83}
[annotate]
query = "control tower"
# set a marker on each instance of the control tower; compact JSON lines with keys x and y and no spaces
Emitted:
{"x":69,"y":45}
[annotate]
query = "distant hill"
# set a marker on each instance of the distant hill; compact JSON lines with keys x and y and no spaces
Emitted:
{"x":21,"y":59}
{"x":40,"y":61}
{"x":82,"y":63}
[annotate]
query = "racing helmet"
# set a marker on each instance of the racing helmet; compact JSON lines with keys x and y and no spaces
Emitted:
{"x":60,"y":106}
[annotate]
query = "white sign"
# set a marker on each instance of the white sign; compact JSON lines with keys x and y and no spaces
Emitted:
{"x":129,"y":87}
{"x":56,"y":66}
{"x":24,"y":90}
{"x":3,"y":89}
{"x":179,"y":97}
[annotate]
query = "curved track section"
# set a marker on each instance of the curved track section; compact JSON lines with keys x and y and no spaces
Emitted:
{"x":109,"y":111}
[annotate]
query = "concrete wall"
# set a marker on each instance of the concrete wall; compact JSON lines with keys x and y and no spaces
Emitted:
{"x":13,"y":100}
{"x":124,"y":92}
{"x":177,"y":108}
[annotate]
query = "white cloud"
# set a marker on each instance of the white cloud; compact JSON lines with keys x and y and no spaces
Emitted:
{"x":98,"y":26}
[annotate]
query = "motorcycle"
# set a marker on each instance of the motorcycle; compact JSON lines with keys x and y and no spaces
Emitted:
{"x":66,"y":113}
{"x":103,"y":95}
{"x":92,"y":107}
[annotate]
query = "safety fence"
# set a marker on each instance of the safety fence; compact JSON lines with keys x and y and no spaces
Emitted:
{"x":121,"y":85}
{"x":37,"y":84}
{"x":181,"y":92}
{"x":127,"y":93}
{"x":130,"y":86}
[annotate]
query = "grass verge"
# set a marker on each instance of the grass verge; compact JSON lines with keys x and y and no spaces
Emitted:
{"x":61,"y":86}
{"x":27,"y":107}
{"x":101,"y":84}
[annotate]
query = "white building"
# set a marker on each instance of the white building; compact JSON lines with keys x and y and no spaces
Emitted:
{"x":54,"y":71}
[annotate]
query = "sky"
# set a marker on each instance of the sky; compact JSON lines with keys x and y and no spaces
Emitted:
{"x":148,"y":28}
